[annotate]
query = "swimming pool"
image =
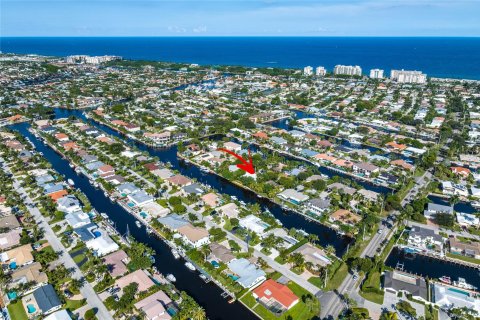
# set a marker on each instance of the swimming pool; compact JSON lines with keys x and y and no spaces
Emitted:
{"x":459,"y":291}
{"x":31,"y":308}
{"x":12,"y":295}
{"x":131,"y":204}
{"x":97,"y":233}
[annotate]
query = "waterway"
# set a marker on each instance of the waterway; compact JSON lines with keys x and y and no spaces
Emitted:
{"x":432,"y":267}
{"x":207,"y":295}
{"x":326,"y":235}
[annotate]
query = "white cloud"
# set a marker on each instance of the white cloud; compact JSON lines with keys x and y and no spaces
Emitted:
{"x":200,"y":29}
{"x":177,"y":29}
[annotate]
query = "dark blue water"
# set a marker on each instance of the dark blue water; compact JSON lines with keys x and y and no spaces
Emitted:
{"x":439,"y":57}
{"x":431,"y":267}
{"x":326,"y":235}
{"x":460,"y":206}
{"x":207,"y":295}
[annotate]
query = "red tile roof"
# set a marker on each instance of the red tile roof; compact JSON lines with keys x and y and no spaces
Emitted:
{"x":271,"y":289}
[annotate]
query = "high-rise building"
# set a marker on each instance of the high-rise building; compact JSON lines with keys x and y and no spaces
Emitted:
{"x":320,"y":71}
{"x":376,"y":73}
{"x":347,"y":70}
{"x":308,"y":71}
{"x":90,"y":60}
{"x":405,"y":76}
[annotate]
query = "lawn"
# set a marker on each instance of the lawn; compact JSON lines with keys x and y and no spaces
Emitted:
{"x":16,"y":310}
{"x":74,"y":304}
{"x":464,"y":258}
{"x":337,"y":278}
{"x":370,"y":289}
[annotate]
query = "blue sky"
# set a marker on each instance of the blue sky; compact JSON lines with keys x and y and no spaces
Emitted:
{"x":239,"y":18}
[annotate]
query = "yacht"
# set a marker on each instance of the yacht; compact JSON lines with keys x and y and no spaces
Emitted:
{"x":149,"y":230}
{"x":104,"y":215}
{"x":461,"y":283}
{"x":476,"y":204}
{"x":71,"y":165}
{"x":175,"y":253}
{"x":170,"y":277}
{"x":445,"y":279}
{"x":138,"y":223}
{"x":190,"y":266}
{"x":70,"y":182}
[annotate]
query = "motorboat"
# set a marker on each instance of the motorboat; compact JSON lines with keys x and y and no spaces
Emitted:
{"x":190,"y":266}
{"x":476,"y":204}
{"x":175,"y":253}
{"x":462,"y":283}
{"x":71,"y":165}
{"x":170,"y":277}
{"x":445,"y":279}
{"x":138,"y":223}
{"x":70,"y":182}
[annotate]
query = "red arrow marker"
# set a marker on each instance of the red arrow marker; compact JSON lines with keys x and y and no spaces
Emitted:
{"x":245,"y":166}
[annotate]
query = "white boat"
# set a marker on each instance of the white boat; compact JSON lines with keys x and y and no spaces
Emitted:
{"x":445,"y":279}
{"x":175,"y":253}
{"x":190,"y":266}
{"x":104,"y":215}
{"x":71,"y":165}
{"x":149,"y":230}
{"x":461,"y":283}
{"x":234,"y":198}
{"x":203,"y":277}
{"x":170,"y":277}
{"x":476,"y":204}
{"x":95,"y":185}
{"x":138,"y":223}
{"x":70,"y":182}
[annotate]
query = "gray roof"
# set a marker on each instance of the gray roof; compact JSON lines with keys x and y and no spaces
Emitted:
{"x":248,"y":273}
{"x":51,"y":188}
{"x":89,"y":158}
{"x":74,"y":218}
{"x":405,"y":282}
{"x":425,"y":233}
{"x":94,"y":165}
{"x":194,"y":188}
{"x":127,"y":187}
{"x":278,"y":140}
{"x":140,"y":196}
{"x":440,"y":208}
{"x":46,"y":298}
{"x":173,"y":221}
{"x":44,"y":179}
{"x":84,"y":232}
{"x":319,"y":203}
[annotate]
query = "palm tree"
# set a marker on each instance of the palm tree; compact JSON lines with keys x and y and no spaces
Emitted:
{"x":389,"y":315}
{"x":198,"y":314}
{"x":205,"y":251}
{"x":312,"y":238}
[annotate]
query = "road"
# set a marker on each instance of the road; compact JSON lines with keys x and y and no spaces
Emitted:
{"x":87,"y":290}
{"x":332,"y":304}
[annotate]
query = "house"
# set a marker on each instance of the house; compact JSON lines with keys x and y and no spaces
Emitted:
{"x":467,"y":219}
{"x":116,"y":263}
{"x":368,"y":195}
{"x":211,"y":199}
{"x":402,"y":164}
{"x":43,"y":300}
{"x":221,"y":253}
{"x":261,"y":135}
{"x":58,"y":315}
{"x":127,"y":188}
{"x":77,"y":219}
{"x":17,"y":257}
{"x":396,"y":281}
{"x":140,"y":277}
{"x":366,"y":168}
{"x":194,"y":236}
{"x":29,"y":273}
{"x":468,"y":249}
{"x":318,"y":205}
{"x":8,"y":223}
{"x":193,"y":188}
{"x":179,"y":180}
{"x":140,"y":198}
{"x":10,"y":239}
{"x":314,"y":255}
{"x":293,"y":196}
{"x":464,"y":172}
{"x":446,"y":298}
{"x":68,"y":204}
{"x":61,"y":137}
{"x":342,"y":188}
{"x":154,"y":210}
{"x":274,"y":295}
{"x":254,"y":223}
{"x":425,"y":239}
{"x":102,"y":244}
{"x":345,"y":217}
{"x":106,"y":171}
{"x":173,"y":222}
{"x":229,"y":210}
{"x":433,"y":209}
{"x":248,"y":275}
{"x":154,"y":307}
{"x":55,"y":196}
{"x":232,"y":146}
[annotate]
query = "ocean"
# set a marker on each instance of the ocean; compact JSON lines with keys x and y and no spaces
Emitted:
{"x":437,"y":57}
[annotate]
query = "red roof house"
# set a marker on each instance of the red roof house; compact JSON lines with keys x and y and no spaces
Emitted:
{"x":271,"y":292}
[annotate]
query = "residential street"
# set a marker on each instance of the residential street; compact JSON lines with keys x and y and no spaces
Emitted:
{"x":87,"y":290}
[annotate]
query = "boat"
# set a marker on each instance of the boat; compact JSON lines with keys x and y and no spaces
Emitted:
{"x":234,"y":198}
{"x":190,"y":266}
{"x":71,"y":165}
{"x":175,"y":253}
{"x":152,"y":259}
{"x":70,"y":182}
{"x":138,"y":223}
{"x":445,"y":279}
{"x":204,"y":169}
{"x":203,"y":277}
{"x":170,"y":277}
{"x":95,"y":185}
{"x":106,"y":194}
{"x":462,"y":283}
{"x":104,"y":215}
{"x":476,"y":204}
{"x":149,"y":230}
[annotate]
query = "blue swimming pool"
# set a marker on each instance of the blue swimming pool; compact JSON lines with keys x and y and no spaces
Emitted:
{"x":12,"y":295}
{"x":31,"y":308}
{"x":131,"y":205}
{"x":97,"y":233}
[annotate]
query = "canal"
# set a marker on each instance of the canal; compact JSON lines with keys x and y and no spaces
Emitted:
{"x":326,"y":235}
{"x":207,"y":295}
{"x":432,"y":267}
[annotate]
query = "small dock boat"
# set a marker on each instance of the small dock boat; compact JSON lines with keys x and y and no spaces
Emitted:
{"x":70,"y":182}
{"x":138,"y":223}
{"x":445,"y":279}
{"x":190,"y":266}
{"x":170,"y":277}
{"x":462,"y":283}
{"x":175,"y":253}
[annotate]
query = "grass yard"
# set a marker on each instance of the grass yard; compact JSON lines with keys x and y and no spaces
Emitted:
{"x":337,"y":278}
{"x":372,"y":282}
{"x":74,"y":304}
{"x":17,"y":312}
{"x":464,"y":258}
